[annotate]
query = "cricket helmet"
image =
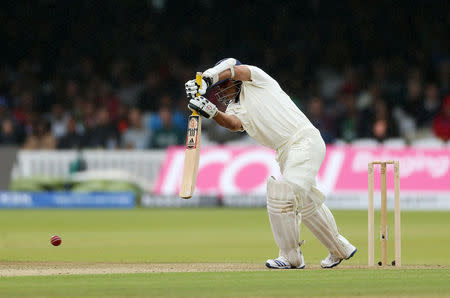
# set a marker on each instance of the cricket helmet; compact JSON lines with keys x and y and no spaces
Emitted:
{"x":220,"y":93}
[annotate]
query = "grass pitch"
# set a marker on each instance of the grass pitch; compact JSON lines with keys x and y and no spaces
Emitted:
{"x":267,"y":283}
{"x":180,"y":236}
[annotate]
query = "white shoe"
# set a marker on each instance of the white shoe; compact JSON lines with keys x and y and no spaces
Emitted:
{"x":283,"y":263}
{"x":331,"y":260}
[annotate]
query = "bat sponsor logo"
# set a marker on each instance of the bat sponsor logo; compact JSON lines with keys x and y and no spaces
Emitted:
{"x":192,"y":132}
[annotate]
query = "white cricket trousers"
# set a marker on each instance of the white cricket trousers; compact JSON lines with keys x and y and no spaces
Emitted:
{"x":300,"y":160}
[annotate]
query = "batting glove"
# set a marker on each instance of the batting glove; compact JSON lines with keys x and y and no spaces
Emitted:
{"x":203,"y":106}
{"x":192,"y":88}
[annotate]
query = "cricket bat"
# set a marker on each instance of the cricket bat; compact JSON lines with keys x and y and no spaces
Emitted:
{"x":192,"y":156}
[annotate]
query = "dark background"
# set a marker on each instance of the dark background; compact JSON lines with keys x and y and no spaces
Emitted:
{"x":357,"y":68}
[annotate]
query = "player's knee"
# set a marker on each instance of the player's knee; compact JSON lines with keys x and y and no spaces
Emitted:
{"x":299,"y":185}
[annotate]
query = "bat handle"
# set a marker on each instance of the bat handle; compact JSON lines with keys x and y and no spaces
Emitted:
{"x":198,"y":80}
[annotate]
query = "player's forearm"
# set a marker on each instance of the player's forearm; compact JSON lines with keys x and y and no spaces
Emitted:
{"x":230,"y":122}
{"x":241,"y":73}
{"x":227,"y":69}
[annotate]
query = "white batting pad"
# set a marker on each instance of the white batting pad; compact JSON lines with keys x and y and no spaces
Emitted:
{"x":319,"y":220}
{"x":285,"y":222}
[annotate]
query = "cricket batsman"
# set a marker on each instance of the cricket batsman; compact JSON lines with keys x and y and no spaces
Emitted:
{"x":254,"y":102}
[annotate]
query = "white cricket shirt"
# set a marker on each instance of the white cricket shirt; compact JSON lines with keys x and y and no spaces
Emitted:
{"x":267,"y":113}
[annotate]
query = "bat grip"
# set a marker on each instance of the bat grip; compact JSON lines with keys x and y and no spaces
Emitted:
{"x":198,"y":80}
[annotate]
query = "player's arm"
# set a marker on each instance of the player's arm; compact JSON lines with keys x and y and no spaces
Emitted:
{"x":231,"y":122}
{"x":241,"y":73}
{"x":226,"y":69}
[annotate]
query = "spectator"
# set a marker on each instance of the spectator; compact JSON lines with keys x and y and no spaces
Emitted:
{"x":109,"y":99}
{"x":179,"y":118}
{"x":10,"y":134}
{"x":407,"y":111}
{"x":430,"y":106}
{"x":41,"y":137}
{"x":89,"y":115}
{"x":103,"y":134}
{"x":58,"y":120}
{"x":441,"y":123}
{"x":367,"y":97}
{"x":167,"y":134}
{"x":148,"y":99}
{"x":137,"y":136}
{"x":413,"y":104}
{"x":348,"y":119}
{"x":122,"y":117}
{"x":24,"y":109}
{"x":78,"y":108}
{"x":382,"y":125}
{"x":72,"y":139}
{"x":320,"y":120}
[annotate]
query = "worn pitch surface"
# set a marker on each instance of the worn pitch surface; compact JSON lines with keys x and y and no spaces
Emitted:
{"x":68,"y":268}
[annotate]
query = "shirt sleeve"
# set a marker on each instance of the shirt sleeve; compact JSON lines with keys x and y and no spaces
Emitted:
{"x":258,"y":76}
{"x":237,"y":110}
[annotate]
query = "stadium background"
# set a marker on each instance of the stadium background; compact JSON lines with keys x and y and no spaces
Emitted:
{"x":109,"y":75}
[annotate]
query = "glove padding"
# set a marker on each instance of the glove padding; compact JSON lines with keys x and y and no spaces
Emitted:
{"x":192,"y":88}
{"x":203,"y":106}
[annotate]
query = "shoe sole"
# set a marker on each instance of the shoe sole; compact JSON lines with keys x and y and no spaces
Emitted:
{"x":270,"y":267}
{"x":335,"y":264}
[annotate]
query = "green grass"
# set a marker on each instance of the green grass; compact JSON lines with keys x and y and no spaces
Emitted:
{"x":196,"y":235}
{"x":430,"y":282}
{"x":211,"y":235}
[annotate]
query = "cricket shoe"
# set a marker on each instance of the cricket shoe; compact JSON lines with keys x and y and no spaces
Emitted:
{"x":331,"y":260}
{"x":283,"y":263}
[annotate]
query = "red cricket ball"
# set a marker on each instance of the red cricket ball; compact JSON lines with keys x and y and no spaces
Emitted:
{"x":55,"y":240}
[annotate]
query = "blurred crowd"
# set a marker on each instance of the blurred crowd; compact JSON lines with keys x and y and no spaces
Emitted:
{"x":90,"y":112}
{"x":110,"y":74}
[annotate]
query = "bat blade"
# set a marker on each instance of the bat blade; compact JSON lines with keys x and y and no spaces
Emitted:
{"x":192,"y":157}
